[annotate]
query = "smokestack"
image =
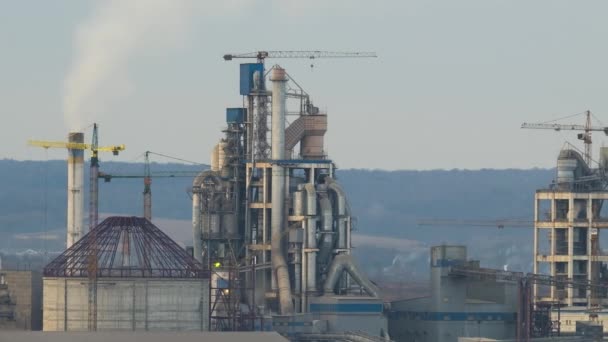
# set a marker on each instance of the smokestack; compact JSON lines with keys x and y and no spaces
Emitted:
{"x":75,"y":189}
{"x":279,"y":265}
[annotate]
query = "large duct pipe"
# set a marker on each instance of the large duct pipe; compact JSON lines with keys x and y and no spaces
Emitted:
{"x":326,"y":241}
{"x":75,"y":190}
{"x":345,"y":262}
{"x":279,"y":265}
{"x":342,"y":211}
{"x":311,"y":239}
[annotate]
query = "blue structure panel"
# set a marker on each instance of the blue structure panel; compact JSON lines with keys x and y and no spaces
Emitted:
{"x":236,"y":115}
{"x":247,"y":71}
{"x":455,"y":316}
{"x":347,"y":307}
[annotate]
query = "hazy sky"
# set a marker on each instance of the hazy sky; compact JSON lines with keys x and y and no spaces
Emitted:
{"x":453,"y":82}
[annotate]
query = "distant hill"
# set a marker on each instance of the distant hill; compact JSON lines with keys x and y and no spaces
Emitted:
{"x":385,"y":203}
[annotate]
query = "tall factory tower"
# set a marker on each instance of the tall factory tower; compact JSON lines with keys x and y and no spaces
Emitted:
{"x":274,"y":211}
{"x":75,"y":189}
{"x":567,"y":226}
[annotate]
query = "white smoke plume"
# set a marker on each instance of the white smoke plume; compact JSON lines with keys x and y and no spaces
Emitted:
{"x":104,"y":45}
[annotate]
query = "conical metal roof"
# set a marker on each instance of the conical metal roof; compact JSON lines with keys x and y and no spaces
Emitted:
{"x":125,"y":247}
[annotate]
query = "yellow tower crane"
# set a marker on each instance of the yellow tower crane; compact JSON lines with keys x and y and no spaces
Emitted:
{"x":95,"y":149}
{"x":93,"y":207}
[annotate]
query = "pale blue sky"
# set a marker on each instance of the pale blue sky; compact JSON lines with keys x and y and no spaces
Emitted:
{"x":453,"y":82}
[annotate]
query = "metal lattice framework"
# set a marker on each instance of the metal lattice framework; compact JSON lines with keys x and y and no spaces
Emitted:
{"x":126,"y":247}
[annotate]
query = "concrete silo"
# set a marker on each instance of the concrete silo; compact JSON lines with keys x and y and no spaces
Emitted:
{"x":126,"y":274}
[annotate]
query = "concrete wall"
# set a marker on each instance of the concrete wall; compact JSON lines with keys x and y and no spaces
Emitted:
{"x":127,"y":304}
{"x":25,"y":289}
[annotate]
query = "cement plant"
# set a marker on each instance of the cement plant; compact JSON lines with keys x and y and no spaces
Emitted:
{"x":271,"y":246}
{"x":274,"y":249}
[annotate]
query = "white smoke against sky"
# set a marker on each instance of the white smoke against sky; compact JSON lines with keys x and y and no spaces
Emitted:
{"x":105,"y":44}
{"x":120,"y":31}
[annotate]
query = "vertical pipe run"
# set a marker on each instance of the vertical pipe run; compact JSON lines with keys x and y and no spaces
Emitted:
{"x":342,"y":211}
{"x":75,"y":190}
{"x":311,"y":238}
{"x":279,"y":265}
{"x":197,"y":224}
{"x":326,"y":241}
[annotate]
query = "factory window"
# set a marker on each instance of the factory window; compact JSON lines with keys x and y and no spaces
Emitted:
{"x":580,"y":210}
{"x":561,"y":241}
{"x":544,"y":210}
{"x":561,"y":210}
{"x":544,"y":241}
{"x":600,"y":212}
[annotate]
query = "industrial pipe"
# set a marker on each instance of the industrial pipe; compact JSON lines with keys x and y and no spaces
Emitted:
{"x":279,"y":265}
{"x":345,"y":262}
{"x":326,"y":241}
{"x":75,"y":190}
{"x":311,"y":239}
{"x":342,"y":211}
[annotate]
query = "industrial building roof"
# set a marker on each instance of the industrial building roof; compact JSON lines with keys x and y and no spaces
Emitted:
{"x":125,"y":247}
{"x":130,"y":336}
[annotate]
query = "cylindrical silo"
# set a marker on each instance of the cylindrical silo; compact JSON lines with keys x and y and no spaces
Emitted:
{"x":447,"y":293}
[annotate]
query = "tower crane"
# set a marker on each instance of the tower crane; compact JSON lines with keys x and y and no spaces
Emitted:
{"x":257,"y":101}
{"x":94,"y":166}
{"x":147,"y":177}
{"x":587,"y":128}
{"x":260,"y":56}
{"x":93,"y":208}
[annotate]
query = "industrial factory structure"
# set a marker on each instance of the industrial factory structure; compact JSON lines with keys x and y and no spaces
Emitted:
{"x":274,"y":219}
{"x":458,"y":306}
{"x":569,"y":218}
